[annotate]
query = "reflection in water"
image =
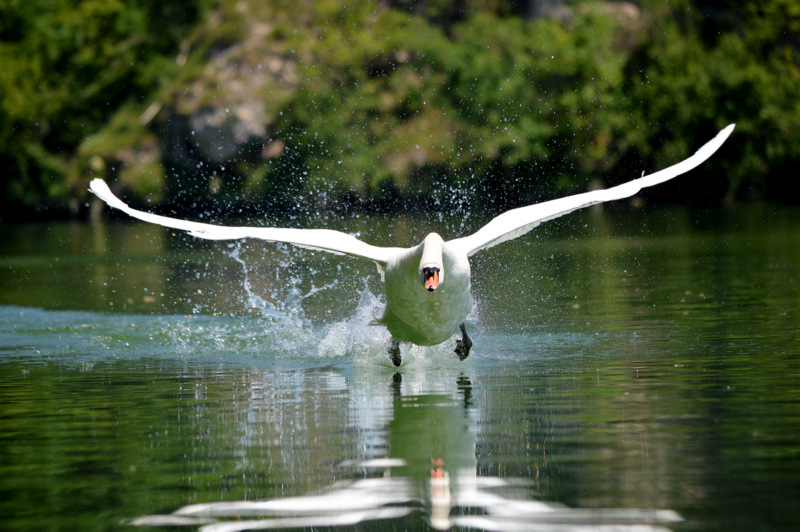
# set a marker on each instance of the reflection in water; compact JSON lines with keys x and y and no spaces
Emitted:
{"x":652,"y":364}
{"x":486,"y":503}
{"x":430,"y":432}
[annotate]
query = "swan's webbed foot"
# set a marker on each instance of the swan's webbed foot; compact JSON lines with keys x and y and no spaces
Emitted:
{"x":394,"y":352}
{"x":464,"y":345}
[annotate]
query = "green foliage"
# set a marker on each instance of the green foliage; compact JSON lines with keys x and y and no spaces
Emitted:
{"x":428,"y":102}
{"x":519,"y":110}
{"x":66,"y":67}
{"x":392,"y":105}
{"x":688,"y":86}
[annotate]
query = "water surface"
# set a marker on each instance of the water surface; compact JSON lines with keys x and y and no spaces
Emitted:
{"x":624,"y":362}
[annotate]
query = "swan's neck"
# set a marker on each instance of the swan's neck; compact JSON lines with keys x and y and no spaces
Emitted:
{"x":432,"y":254}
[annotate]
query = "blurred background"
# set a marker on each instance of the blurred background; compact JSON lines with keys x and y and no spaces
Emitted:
{"x":247,"y":106}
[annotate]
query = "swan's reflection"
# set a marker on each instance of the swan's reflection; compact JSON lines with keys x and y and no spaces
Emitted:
{"x":434,"y":436}
{"x":429,"y":472}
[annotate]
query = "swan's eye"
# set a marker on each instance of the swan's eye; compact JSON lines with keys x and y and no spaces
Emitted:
{"x":430,"y":277}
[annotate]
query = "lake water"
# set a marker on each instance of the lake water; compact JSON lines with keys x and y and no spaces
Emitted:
{"x":631,"y":371}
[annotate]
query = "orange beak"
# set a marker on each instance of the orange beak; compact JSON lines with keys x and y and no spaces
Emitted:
{"x":431,"y":279}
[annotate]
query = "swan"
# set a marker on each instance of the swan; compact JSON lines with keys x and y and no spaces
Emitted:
{"x":428,"y":295}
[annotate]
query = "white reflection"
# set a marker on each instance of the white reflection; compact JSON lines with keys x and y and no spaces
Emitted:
{"x":424,"y":423}
{"x":472,"y":503}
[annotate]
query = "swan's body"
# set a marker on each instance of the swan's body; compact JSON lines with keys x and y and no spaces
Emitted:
{"x":428,"y":293}
{"x":427,"y":317}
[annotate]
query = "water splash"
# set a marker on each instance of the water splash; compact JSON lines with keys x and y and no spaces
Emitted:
{"x":266,"y":327}
{"x":282,"y":319}
{"x":356,"y":337}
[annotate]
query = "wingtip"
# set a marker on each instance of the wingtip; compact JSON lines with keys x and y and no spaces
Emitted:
{"x":100,"y":188}
{"x":727,"y":130}
{"x":720,"y":138}
{"x":710,"y":147}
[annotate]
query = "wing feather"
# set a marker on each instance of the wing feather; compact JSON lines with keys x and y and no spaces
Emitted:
{"x":517,"y":222}
{"x":318,"y":239}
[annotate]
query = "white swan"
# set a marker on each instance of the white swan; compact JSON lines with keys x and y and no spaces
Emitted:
{"x":427,"y":286}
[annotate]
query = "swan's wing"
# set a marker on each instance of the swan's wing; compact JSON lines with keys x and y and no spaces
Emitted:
{"x":318,"y":239}
{"x":517,"y":222}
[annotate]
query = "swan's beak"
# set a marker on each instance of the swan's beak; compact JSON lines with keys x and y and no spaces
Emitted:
{"x":431,"y":278}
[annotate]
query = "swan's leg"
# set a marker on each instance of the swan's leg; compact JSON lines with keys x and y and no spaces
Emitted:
{"x":464,"y":345}
{"x":394,"y":352}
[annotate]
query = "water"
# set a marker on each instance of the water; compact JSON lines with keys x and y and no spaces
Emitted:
{"x":629,"y":370}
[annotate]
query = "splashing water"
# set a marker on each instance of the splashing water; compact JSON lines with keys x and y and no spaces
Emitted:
{"x":274,"y":329}
{"x":284,"y":320}
{"x":358,"y":336}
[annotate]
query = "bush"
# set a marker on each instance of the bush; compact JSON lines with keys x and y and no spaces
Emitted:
{"x":66,"y":68}
{"x":434,"y":104}
{"x":391,"y":105}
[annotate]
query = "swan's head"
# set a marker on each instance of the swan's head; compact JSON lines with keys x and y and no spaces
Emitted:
{"x":430,"y":277}
{"x":431,"y":270}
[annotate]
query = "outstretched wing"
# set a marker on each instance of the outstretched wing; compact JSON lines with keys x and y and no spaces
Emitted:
{"x":517,"y":222}
{"x":318,"y":239}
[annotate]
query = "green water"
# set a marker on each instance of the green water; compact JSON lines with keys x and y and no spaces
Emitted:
{"x":623,"y":361}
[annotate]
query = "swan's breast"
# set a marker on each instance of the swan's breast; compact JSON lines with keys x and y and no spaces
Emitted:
{"x":416,"y":315}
